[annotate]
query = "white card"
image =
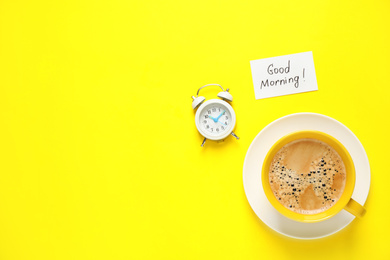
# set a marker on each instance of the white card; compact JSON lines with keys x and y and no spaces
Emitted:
{"x":284,"y":75}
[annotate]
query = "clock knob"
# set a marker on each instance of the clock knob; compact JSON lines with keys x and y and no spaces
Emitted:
{"x":197,"y":101}
{"x":225,"y":95}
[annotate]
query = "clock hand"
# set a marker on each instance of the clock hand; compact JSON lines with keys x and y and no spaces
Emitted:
{"x":220,"y":115}
{"x":214,"y":119}
{"x":221,"y":123}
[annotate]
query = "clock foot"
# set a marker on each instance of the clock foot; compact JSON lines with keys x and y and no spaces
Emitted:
{"x":233,"y":134}
{"x":203,"y":142}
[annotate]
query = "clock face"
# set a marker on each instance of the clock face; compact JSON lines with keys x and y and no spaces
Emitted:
{"x":216,"y":119}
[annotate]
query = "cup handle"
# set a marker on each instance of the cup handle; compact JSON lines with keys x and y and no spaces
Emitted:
{"x":355,"y":208}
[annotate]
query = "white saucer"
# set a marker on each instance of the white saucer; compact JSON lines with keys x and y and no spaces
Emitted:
{"x":255,"y":157}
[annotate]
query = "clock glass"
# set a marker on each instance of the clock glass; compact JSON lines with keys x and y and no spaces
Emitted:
{"x":215,"y":119}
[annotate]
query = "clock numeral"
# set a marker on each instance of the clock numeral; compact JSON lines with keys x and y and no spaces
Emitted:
{"x":206,"y":116}
{"x":217,"y":129}
{"x":211,"y":129}
{"x":207,"y":126}
{"x":204,"y":122}
{"x":226,"y":117}
{"x":208,"y":111}
{"x":225,"y":123}
{"x":223,"y":128}
{"x":219,"y":109}
{"x":214,"y":109}
{"x":224,"y":112}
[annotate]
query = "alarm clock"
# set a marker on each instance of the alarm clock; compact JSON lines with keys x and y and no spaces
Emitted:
{"x":215,"y":119}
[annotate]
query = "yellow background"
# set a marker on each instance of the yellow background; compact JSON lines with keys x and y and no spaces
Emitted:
{"x":99,"y":154}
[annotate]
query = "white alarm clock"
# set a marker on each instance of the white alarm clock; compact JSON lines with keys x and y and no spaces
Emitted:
{"x":215,"y":119}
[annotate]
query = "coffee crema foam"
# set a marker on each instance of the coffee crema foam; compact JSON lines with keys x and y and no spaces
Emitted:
{"x":307,"y":176}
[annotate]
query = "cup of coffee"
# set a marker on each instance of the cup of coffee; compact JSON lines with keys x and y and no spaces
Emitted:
{"x":309,"y":176}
